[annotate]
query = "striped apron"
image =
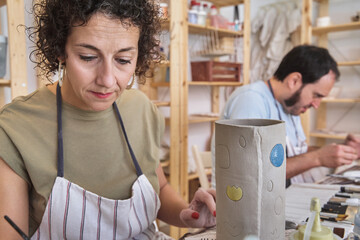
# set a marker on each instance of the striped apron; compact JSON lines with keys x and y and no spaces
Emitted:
{"x":74,"y":213}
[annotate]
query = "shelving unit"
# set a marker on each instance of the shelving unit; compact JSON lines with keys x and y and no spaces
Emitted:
{"x":307,"y":31}
{"x":17,"y":48}
{"x":179,"y":30}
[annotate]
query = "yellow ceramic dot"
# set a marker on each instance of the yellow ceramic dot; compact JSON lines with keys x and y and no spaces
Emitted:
{"x":234,"y":193}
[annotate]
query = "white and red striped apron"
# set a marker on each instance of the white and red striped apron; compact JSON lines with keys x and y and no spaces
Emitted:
{"x":74,"y":213}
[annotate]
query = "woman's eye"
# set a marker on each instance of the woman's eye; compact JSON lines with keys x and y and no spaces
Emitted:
{"x":87,"y":58}
{"x":123,"y":61}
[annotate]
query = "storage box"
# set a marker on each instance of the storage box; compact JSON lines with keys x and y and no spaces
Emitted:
{"x":3,"y":46}
{"x":216,"y":71}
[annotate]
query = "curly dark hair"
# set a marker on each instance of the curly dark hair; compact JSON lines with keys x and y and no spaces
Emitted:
{"x":53,"y":19}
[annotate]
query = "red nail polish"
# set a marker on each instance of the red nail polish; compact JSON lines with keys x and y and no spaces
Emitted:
{"x":195,"y":215}
{"x":214,"y":213}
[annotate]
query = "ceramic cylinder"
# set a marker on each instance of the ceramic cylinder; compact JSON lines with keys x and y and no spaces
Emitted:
{"x":250,"y":178}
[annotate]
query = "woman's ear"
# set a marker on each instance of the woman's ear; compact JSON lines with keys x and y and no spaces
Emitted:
{"x":294,"y":81}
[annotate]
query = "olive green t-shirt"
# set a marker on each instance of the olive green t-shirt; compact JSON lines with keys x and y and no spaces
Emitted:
{"x":96,"y":156}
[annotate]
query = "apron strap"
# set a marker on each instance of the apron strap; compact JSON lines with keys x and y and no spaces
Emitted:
{"x":60,"y":163}
{"x":137,"y":166}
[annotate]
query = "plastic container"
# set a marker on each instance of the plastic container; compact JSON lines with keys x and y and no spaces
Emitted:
{"x":193,"y":16}
{"x":3,"y":47}
{"x":201,"y":20}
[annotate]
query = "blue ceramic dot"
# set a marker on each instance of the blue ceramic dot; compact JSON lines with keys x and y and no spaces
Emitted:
{"x":277,"y":155}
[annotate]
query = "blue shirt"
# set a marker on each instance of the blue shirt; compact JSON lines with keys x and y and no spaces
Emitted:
{"x":256,"y":101}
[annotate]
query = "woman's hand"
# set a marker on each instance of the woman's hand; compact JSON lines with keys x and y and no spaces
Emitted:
{"x":202,"y":210}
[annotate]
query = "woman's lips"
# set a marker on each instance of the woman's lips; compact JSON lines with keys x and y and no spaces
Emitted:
{"x":101,"y":95}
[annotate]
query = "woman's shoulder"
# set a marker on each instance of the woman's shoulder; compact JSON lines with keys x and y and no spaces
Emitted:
{"x":41,"y":96}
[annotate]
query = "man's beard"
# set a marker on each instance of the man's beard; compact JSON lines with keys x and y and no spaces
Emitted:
{"x":291,"y":101}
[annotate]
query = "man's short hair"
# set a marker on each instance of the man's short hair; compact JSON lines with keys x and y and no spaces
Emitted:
{"x":310,"y":61}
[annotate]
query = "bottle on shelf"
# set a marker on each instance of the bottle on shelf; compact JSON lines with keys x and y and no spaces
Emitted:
{"x":216,"y":20}
{"x":202,"y":15}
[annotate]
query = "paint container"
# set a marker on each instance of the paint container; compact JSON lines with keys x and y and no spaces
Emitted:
{"x":250,"y":168}
{"x":3,"y":47}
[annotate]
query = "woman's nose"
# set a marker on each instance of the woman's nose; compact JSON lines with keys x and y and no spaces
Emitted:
{"x":106,"y":76}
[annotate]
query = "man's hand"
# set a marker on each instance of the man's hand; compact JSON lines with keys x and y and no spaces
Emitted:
{"x":335,"y":155}
{"x":202,"y":210}
{"x":354,"y":142}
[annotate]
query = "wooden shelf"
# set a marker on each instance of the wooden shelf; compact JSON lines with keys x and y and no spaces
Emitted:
{"x":350,"y":63}
{"x":4,"y":82}
{"x":161,"y":103}
{"x":224,"y":3}
{"x":193,"y":176}
{"x":220,"y":84}
{"x":328,"y":135}
{"x":336,"y":28}
{"x":216,"y":83}
{"x":202,"y":119}
{"x":341,"y":100}
{"x":198,"y":29}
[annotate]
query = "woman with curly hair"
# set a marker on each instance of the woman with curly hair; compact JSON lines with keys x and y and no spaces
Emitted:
{"x":79,"y":158}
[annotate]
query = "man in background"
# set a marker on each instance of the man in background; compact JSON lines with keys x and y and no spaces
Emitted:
{"x":305,"y":76}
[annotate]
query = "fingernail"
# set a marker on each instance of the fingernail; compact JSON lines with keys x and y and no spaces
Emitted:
{"x":195,"y":215}
{"x":214,"y":213}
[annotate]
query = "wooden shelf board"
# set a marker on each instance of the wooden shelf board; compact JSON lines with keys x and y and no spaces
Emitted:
{"x":198,"y":29}
{"x":224,"y":3}
{"x":216,"y":83}
{"x":336,"y":28}
{"x":193,"y":176}
{"x":341,"y":100}
{"x":224,"y":84}
{"x":349,"y":63}
{"x":201,"y":119}
{"x":4,"y":82}
{"x":161,"y":103}
{"x":327,"y":135}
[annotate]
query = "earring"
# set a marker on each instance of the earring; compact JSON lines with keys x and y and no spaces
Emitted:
{"x":61,"y":71}
{"x":132,"y":82}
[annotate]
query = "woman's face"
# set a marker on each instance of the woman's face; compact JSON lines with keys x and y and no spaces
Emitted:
{"x":100,"y":60}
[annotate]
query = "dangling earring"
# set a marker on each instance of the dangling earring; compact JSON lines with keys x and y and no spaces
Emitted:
{"x":132,"y":82}
{"x":61,"y":71}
